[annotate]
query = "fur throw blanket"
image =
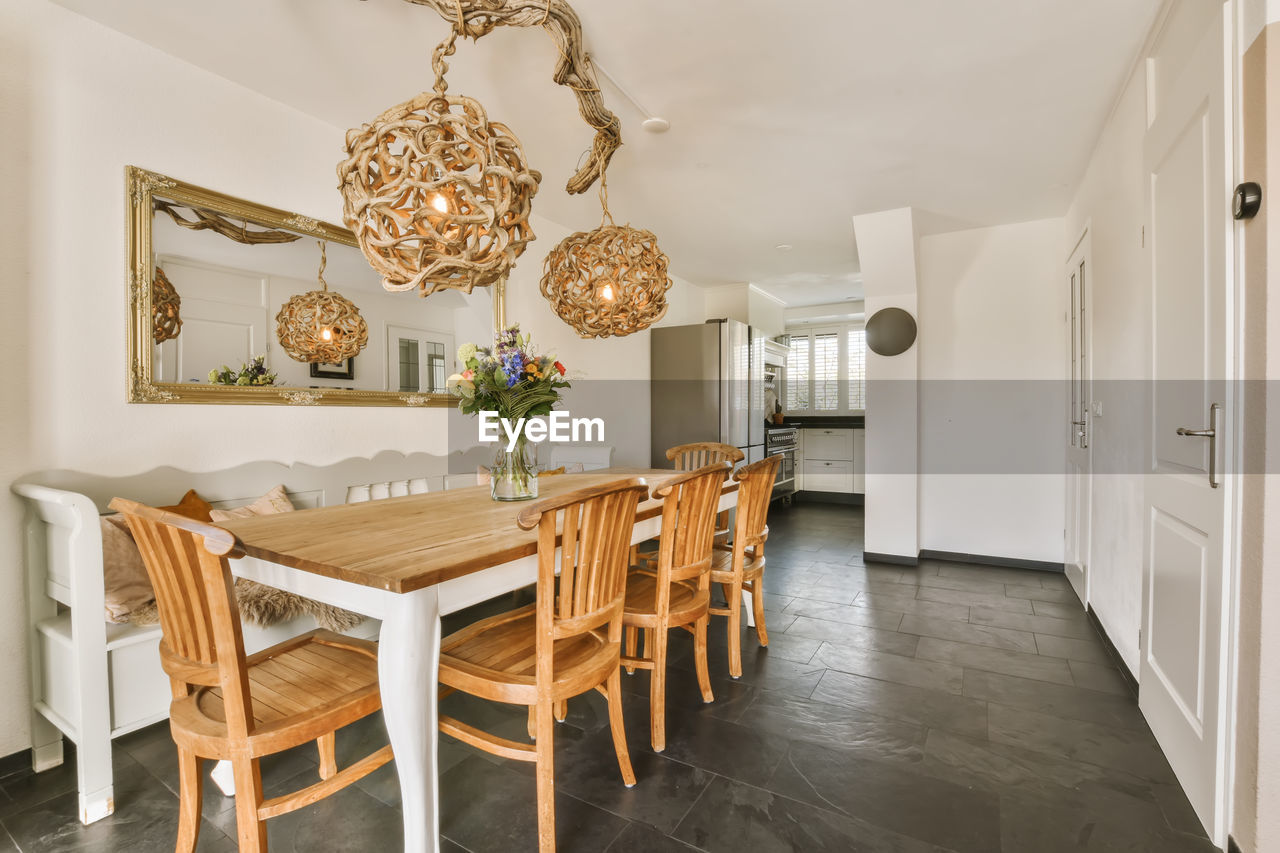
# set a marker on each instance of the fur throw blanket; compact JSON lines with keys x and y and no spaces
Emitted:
{"x":266,"y":606}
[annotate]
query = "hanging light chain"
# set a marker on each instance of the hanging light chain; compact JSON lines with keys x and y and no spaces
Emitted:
{"x":443,"y":49}
{"x":324,"y":260}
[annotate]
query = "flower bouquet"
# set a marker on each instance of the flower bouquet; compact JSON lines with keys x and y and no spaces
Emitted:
{"x":253,"y":373}
{"x":513,"y":381}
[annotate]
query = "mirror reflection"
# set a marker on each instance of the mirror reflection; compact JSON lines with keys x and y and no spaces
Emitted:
{"x":220,"y":285}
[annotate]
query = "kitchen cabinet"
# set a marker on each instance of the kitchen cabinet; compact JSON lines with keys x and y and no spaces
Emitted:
{"x":828,"y":455}
{"x":832,"y":460}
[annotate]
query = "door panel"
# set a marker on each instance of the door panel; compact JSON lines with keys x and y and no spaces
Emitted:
{"x":1183,"y":674}
{"x":1079,"y":479}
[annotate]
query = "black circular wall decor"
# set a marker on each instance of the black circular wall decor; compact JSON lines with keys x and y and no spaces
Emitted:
{"x":1246,"y":200}
{"x":891,"y":331}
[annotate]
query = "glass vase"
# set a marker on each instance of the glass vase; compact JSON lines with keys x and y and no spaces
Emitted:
{"x":514,"y":476}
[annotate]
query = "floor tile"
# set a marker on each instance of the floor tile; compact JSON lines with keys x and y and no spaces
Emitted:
{"x":913,"y":606}
{"x":486,"y":807}
{"x":1086,"y":651}
{"x":886,"y":619}
{"x":1102,"y":677}
{"x":964,"y":632}
{"x":998,"y":601}
{"x":1053,"y":595}
{"x":891,"y":667}
{"x":728,"y":749}
{"x":994,"y":660}
{"x":145,"y":820}
{"x":1134,"y":752}
{"x":895,"y":797}
{"x":1079,"y":629}
{"x":1077,"y":821}
{"x":587,"y":768}
{"x":860,"y":636}
{"x":1068,"y":702}
{"x":1017,"y":577}
{"x":638,"y":838}
{"x":731,"y":817}
{"x":918,"y":705}
{"x":1071,"y":609}
{"x":792,"y":718}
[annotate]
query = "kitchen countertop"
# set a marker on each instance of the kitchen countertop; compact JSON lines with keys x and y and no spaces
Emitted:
{"x":831,"y":422}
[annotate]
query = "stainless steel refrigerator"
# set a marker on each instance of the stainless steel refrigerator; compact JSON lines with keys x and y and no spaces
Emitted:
{"x":706,"y":384}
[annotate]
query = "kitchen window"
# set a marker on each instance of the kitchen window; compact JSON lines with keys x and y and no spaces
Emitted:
{"x":826,"y":370}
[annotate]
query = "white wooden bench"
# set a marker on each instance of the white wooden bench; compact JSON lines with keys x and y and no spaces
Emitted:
{"x":92,"y":681}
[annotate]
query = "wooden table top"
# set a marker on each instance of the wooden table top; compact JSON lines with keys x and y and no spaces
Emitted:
{"x":403,"y":544}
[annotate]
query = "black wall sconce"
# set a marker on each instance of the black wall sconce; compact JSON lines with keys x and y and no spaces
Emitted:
{"x":891,"y":331}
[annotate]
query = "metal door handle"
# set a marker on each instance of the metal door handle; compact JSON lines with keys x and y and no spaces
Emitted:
{"x":1210,"y":433}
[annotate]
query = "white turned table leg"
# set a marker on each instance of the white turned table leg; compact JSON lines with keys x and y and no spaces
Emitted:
{"x":408,"y":662}
{"x":751,"y":611}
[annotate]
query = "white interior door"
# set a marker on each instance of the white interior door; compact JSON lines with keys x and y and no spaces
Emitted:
{"x":1079,"y":397}
{"x":224,"y":321}
{"x":1183,"y":673}
{"x":419,"y":360}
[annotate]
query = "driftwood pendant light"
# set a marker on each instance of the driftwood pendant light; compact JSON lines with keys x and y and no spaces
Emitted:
{"x":319,"y":326}
{"x":166,"y":307}
{"x":609,"y":281}
{"x":438,"y":196}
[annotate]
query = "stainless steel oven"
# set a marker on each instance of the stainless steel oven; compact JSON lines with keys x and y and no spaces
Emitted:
{"x":782,"y":442}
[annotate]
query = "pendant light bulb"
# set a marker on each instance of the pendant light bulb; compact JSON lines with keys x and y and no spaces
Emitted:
{"x":606,"y":292}
{"x":439,"y":202}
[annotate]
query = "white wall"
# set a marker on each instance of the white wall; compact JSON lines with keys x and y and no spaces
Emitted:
{"x":1109,"y":201}
{"x":992,"y":343}
{"x":78,"y":102}
{"x":887,"y":243}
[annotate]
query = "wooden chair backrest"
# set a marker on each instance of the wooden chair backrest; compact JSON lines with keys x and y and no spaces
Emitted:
{"x":202,"y":645}
{"x":690,"y":457}
{"x":755,"y":488}
{"x":689,"y":505}
{"x":595,"y":542}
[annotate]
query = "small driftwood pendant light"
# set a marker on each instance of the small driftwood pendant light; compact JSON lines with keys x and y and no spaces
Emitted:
{"x":438,"y":196}
{"x":609,"y":281}
{"x":166,"y":307}
{"x":319,"y":326}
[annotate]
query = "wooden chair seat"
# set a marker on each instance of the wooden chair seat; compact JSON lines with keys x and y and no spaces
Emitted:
{"x":318,"y":682}
{"x":722,"y":566}
{"x":687,"y":601}
{"x":497,"y":658}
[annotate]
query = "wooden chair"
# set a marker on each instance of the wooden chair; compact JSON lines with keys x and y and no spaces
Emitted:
{"x":230,"y":707}
{"x":562,"y":645}
{"x":739,"y":565}
{"x":678,"y":592}
{"x":690,"y":457}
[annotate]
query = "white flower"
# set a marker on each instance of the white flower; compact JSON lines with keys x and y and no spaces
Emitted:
{"x":466,"y":352}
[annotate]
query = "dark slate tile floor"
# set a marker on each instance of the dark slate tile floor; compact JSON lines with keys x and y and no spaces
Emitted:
{"x":945,"y":707}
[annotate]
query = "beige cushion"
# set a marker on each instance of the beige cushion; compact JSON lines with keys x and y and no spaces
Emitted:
{"x":126,"y":586}
{"x":271,"y":503}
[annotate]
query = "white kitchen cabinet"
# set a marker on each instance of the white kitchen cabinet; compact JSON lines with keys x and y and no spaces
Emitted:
{"x":828,"y":475}
{"x":834,"y":444}
{"x":828,"y":456}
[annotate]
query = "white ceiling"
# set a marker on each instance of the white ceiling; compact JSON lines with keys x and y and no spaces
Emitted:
{"x":786,"y":118}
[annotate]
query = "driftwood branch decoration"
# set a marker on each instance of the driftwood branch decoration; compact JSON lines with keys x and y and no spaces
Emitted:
{"x":224,"y":225}
{"x":166,"y":308}
{"x":475,"y":18}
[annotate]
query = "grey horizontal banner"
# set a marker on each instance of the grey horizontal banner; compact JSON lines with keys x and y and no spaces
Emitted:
{"x":961,"y":427}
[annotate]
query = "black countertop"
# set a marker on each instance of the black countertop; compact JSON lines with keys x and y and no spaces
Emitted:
{"x":826,"y":422}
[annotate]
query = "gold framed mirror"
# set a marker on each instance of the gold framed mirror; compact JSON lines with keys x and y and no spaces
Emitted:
{"x":207,"y":275}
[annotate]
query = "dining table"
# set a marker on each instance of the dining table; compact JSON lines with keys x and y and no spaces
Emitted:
{"x":406,"y":561}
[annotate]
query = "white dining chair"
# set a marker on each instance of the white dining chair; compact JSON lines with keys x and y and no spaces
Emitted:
{"x":591,"y":457}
